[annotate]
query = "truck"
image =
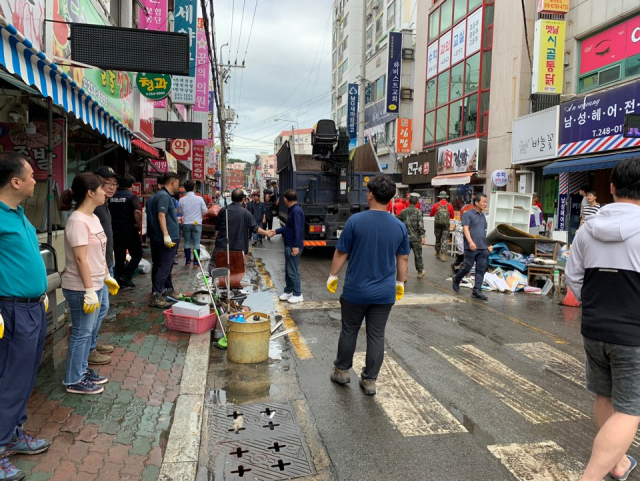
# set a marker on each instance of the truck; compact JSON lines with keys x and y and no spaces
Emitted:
{"x":331,"y":183}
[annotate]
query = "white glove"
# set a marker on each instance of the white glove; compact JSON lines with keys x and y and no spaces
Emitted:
{"x":168,"y":242}
{"x":1,"y":327}
{"x":91,"y":302}
{"x":332,"y":284}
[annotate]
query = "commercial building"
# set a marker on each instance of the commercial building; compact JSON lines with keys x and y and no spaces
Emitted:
{"x":299,"y":139}
{"x":236,"y":175}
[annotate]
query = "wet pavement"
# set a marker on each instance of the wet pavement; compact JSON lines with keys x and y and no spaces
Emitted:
{"x":469,"y":390}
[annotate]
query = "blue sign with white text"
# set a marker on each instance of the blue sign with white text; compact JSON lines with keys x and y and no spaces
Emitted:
{"x":394,"y":70}
{"x":186,"y":16}
{"x":352,"y":115}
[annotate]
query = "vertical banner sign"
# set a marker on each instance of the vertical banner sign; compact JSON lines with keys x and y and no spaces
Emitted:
{"x":474,"y":27}
{"x":210,"y":128}
{"x":198,"y":163}
{"x":352,"y":116}
{"x":459,"y":41}
{"x":184,"y":88}
{"x":394,"y":70}
{"x":548,"y":57}
{"x":432,"y":60}
{"x":563,"y":198}
{"x":403,"y":136}
{"x":202,"y":73}
{"x":181,"y":149}
{"x":444,"y":52}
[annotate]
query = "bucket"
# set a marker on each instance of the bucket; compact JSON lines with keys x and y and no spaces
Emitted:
{"x":248,"y":342}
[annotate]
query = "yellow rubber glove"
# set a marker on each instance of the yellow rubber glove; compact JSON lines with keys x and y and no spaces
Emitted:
{"x":46,"y":303}
{"x":112,"y":285}
{"x":399,"y":290}
{"x":91,"y":302}
{"x":332,"y":284}
{"x":1,"y":327}
{"x":168,"y":242}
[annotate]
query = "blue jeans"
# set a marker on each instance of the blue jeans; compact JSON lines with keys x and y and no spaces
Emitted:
{"x":192,"y":235}
{"x":104,"y":310}
{"x":81,"y":335}
{"x":291,"y":274}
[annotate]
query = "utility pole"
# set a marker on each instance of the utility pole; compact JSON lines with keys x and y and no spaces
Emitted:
{"x":363,"y":74}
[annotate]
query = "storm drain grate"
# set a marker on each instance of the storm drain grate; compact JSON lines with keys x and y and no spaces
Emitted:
{"x":258,"y":442}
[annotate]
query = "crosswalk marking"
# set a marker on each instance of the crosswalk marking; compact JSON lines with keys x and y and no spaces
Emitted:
{"x":409,"y":406}
{"x":527,"y":399}
{"x":410,"y":300}
{"x":545,"y":461}
{"x":554,"y":360}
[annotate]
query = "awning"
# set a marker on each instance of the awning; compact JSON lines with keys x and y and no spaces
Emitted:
{"x":452,"y":179}
{"x":589,"y":163}
{"x":20,"y":57}
{"x":146,"y":148}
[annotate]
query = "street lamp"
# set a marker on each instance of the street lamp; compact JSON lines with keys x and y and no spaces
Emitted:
{"x":293,"y":131}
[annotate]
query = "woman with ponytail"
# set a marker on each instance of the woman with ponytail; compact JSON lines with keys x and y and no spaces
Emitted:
{"x":85,"y":280}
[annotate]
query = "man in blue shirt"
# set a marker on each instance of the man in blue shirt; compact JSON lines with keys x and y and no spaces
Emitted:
{"x":293,"y":235}
{"x":377,"y":246}
{"x":23,"y":322}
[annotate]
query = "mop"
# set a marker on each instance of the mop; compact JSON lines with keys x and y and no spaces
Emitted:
{"x":222,"y":343}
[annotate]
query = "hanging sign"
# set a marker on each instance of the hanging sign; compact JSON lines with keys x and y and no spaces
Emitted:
{"x":548,"y":57}
{"x":403,"y":136}
{"x":444,"y":52}
{"x":458,"y":47}
{"x":352,"y":115}
{"x":394,"y":66}
{"x":499,"y":178}
{"x":181,"y":149}
{"x":154,"y":86}
{"x":474,"y":24}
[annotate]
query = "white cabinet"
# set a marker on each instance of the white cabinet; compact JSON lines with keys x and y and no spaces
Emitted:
{"x":509,"y":208}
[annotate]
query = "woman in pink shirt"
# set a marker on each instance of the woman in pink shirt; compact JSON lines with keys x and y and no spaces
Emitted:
{"x":85,"y":280}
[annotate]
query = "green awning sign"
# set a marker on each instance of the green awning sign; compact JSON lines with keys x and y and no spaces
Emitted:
{"x":154,"y":86}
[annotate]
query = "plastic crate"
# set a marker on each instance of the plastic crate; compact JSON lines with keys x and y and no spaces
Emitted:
{"x":194,"y":325}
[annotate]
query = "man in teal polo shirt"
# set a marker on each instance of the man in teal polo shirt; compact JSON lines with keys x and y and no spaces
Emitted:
{"x":23,"y":322}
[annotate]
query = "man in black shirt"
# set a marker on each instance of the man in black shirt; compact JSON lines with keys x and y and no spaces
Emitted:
{"x":126,"y":221}
{"x":241,"y":223}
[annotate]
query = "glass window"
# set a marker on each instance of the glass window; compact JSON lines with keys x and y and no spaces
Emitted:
{"x":431,"y":94}
{"x":484,"y":111}
{"x":457,"y":80}
{"x":589,"y":82}
{"x":459,"y":11}
{"x":488,"y":27}
{"x":379,"y":24}
{"x":441,"y":124}
{"x":429,"y":128}
{"x":445,"y":16}
{"x":633,"y":66}
{"x":473,"y":4}
{"x":343,"y":89}
{"x":455,"y":119}
{"x":391,"y":14}
{"x":379,"y":90}
{"x":345,"y":22}
{"x":434,"y":20}
{"x":609,"y":75}
{"x":472,"y":73}
{"x":470,"y":114}
{"x":486,"y":69}
{"x":443,"y":88}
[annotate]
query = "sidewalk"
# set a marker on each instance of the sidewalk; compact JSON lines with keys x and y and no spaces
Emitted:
{"x":122,"y":433}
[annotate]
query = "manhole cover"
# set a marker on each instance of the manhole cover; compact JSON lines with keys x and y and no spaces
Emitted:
{"x":257,"y":442}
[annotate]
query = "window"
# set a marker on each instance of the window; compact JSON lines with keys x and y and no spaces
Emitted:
{"x":472,"y":74}
{"x":342,"y":90}
{"x":446,"y":11}
{"x":429,"y":131}
{"x":369,"y":36}
{"x":455,"y":120}
{"x":459,"y":11}
{"x":473,"y":4}
{"x":379,"y":24}
{"x":633,"y":66}
{"x":342,"y":69}
{"x":441,"y":124}
{"x":470,"y":114}
{"x":434,"y":24}
{"x":342,"y":112}
{"x":378,"y":91}
{"x":602,"y":77}
{"x":486,"y":69}
{"x":443,"y":88}
{"x":431,"y":94}
{"x":391,"y":15}
{"x":457,"y":81}
{"x":484,"y":111}
{"x":390,"y":132}
{"x":488,"y":27}
{"x":345,"y":22}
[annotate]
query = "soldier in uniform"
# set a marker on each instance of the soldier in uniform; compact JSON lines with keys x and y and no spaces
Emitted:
{"x":412,"y":218}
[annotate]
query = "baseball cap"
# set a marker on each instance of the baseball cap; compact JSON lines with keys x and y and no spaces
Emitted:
{"x":106,"y":172}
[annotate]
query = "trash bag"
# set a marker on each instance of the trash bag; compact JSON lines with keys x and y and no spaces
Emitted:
{"x":204,"y":255}
{"x":144,"y":267}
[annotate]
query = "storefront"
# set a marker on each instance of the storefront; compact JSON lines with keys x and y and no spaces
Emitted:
{"x":417,"y":172}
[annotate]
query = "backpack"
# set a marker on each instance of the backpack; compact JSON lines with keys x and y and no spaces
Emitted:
{"x":442,"y":218}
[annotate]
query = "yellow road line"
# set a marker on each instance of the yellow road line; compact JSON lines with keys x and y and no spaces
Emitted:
{"x":554,"y":360}
{"x":545,"y":461}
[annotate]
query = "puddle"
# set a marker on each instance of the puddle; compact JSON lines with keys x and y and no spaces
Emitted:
{"x":480,"y":436}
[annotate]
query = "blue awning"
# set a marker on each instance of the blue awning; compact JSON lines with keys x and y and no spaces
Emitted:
{"x":20,"y":57}
{"x":589,"y":163}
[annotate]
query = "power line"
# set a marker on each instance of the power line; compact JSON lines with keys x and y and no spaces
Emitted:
{"x":250,"y":32}
{"x":240,"y":34}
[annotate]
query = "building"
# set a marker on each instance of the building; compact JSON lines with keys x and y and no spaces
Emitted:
{"x":299,"y":139}
{"x":267,"y":165}
{"x":236,"y":176}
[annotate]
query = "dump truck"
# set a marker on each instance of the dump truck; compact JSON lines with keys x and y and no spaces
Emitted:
{"x":331,"y":184}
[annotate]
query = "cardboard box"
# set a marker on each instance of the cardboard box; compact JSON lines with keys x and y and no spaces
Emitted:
{"x":190,"y":310}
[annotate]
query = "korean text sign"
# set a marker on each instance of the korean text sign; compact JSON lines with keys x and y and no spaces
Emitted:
{"x":352,"y":115}
{"x":548,"y":57}
{"x":610,"y":46}
{"x":185,"y":22}
{"x":202,"y":74}
{"x":553,"y":6}
{"x":198,"y":162}
{"x":535,"y":137}
{"x":394,"y":70}
{"x":182,"y":149}
{"x":459,"y":157}
{"x":403,"y":136}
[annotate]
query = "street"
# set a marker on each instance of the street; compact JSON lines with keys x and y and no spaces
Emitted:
{"x":468,"y":390}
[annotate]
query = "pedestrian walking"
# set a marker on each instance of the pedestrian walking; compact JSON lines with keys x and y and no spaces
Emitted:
{"x":258,"y":210}
{"x":23,"y":303}
{"x":126,"y":219}
{"x":398,"y":206}
{"x":270,"y":212}
{"x":591,"y":208}
{"x":377,"y":247}
{"x":414,"y":222}
{"x":192,"y":208}
{"x":293,"y":235}
{"x":164,"y":234}
{"x":443,"y":214}
{"x":276,"y":193}
{"x":604,"y":272}
{"x":86,"y":281}
{"x":476,"y":251}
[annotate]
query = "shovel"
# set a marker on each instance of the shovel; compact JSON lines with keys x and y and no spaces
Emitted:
{"x":222,"y":343}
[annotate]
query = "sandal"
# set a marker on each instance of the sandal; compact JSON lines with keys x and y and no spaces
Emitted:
{"x":625,"y":475}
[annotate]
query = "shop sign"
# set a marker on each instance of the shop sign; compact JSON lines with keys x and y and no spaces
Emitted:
{"x":394,"y":71}
{"x":419,"y":168}
{"x":28,"y":18}
{"x":535,"y":137}
{"x":553,"y":6}
{"x":548,"y":57}
{"x":154,"y":86}
{"x":160,"y":165}
{"x":197,"y":172}
{"x":474,"y":31}
{"x":562,"y":211}
{"x":459,"y":41}
{"x":182,"y":149}
{"x":185,"y":14}
{"x":202,"y":74}
{"x":183,"y":90}
{"x":149,"y":182}
{"x":375,"y":118}
{"x":155,"y":17}
{"x":459,"y":157}
{"x":432,"y":60}
{"x":595,"y":123}
{"x":13,"y":138}
{"x":172,"y":162}
{"x":403,"y":136}
{"x":499,"y":178}
{"x":136,"y":189}
{"x":444,"y":52}
{"x":352,"y":115}
{"x":610,"y":46}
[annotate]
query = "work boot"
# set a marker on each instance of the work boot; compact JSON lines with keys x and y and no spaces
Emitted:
{"x":8,"y":472}
{"x":443,"y":257}
{"x":437,"y":254}
{"x":187,"y":257}
{"x":22,"y":443}
{"x":422,"y":273}
{"x":104,"y":348}
{"x":368,"y":386}
{"x":456,"y":284}
{"x":340,"y":376}
{"x":479,"y":295}
{"x":96,"y":358}
{"x":157,"y":300}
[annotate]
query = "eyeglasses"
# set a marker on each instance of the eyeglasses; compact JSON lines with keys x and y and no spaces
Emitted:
{"x":111,"y":184}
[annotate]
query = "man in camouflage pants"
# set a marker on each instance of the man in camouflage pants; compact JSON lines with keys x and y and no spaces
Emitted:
{"x":443,"y":213}
{"x":412,"y":218}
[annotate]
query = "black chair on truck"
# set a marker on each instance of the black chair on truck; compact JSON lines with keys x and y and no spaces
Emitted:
{"x":323,"y":138}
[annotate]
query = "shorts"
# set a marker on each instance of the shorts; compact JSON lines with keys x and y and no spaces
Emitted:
{"x":613,"y":371}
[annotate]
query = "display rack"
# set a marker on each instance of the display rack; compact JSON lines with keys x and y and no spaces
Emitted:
{"x":510,"y":208}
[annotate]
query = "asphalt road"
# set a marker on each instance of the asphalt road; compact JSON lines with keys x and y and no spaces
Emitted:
{"x":470,"y":390}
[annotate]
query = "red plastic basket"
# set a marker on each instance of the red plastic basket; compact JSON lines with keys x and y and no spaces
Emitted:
{"x":194,"y":325}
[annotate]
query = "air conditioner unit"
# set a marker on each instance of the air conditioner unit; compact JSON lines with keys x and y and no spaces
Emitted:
{"x":406,"y":94}
{"x":408,"y":54}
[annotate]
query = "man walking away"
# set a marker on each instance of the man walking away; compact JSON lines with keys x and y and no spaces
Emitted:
{"x":126,"y":219}
{"x":23,"y":303}
{"x":259,"y":213}
{"x":443,"y":213}
{"x":164,"y":231}
{"x":414,"y":221}
{"x":604,"y":272}
{"x":293,"y":235}
{"x":476,"y":251}
{"x":192,"y":209}
{"x":377,"y":246}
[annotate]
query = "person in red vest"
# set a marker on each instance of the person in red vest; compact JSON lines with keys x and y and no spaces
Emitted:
{"x":398,"y":206}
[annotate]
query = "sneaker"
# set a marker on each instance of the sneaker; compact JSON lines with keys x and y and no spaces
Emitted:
{"x":94,"y":377}
{"x":295,"y":299}
{"x":22,"y":443}
{"x":104,"y":348}
{"x":456,"y":285}
{"x":97,"y":358}
{"x":340,"y":376}
{"x":8,"y":472}
{"x":285,"y":296}
{"x":85,"y":387}
{"x":157,"y":300}
{"x":479,"y":295}
{"x":422,"y":273}
{"x":368,"y":386}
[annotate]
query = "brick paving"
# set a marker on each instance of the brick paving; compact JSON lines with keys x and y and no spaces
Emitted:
{"x":120,"y":434}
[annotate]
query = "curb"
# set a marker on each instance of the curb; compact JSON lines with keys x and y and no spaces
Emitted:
{"x":180,"y":460}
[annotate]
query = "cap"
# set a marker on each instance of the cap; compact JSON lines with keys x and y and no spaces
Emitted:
{"x":414,"y":194}
{"x":535,"y":194}
{"x":105,"y":172}
{"x":442,"y":195}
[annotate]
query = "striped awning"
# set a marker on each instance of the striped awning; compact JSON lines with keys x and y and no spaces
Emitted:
{"x":21,"y":58}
